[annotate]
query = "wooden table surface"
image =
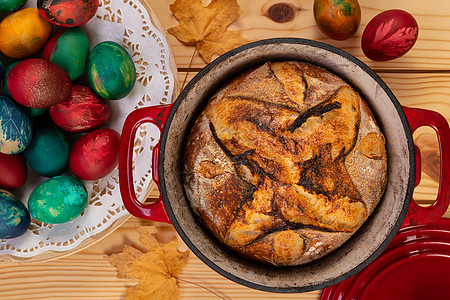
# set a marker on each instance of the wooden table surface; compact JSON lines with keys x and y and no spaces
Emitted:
{"x":419,"y":79}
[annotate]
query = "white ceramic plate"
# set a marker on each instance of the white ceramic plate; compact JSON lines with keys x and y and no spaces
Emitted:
{"x":132,"y":24}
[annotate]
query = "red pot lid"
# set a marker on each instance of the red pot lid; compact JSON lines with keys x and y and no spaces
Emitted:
{"x":416,"y":265}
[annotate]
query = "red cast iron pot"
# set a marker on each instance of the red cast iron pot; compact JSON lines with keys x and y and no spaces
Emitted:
{"x":415,"y":266}
{"x":365,"y":245}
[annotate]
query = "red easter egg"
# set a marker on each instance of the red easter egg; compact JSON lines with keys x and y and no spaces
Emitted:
{"x":13,"y":171}
{"x":67,"y":13}
{"x":95,"y":154}
{"x":38,"y":83}
{"x":83,"y":110}
{"x":389,"y":35}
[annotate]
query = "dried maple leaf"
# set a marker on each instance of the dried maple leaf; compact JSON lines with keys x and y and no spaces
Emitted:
{"x":206,"y":27}
{"x":156,"y":269}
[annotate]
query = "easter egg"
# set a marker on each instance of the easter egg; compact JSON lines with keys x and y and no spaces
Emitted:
{"x":69,"y":49}
{"x":337,"y":19}
{"x":13,"y":171}
{"x":11,"y":5}
{"x":31,"y":112}
{"x":58,"y":200}
{"x":389,"y":35}
{"x":36,"y":112}
{"x":111,"y":71}
{"x":84,"y":110}
{"x":67,"y":13}
{"x":38,"y":83}
{"x":6,"y":72}
{"x":48,"y":152}
{"x":95,"y":154}
{"x":24,"y":33}
{"x":15,"y":127}
{"x":14,"y":216}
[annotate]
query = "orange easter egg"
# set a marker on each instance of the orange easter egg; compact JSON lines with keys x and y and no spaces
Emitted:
{"x":24,"y":33}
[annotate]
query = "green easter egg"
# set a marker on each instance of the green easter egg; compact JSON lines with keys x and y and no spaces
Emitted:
{"x":36,"y":112}
{"x":111,"y":71}
{"x":58,"y":200}
{"x":69,"y":49}
{"x":6,"y":72}
{"x":48,"y":152}
{"x":11,"y":5}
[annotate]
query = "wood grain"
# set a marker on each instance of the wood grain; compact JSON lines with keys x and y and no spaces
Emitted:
{"x":431,"y":51}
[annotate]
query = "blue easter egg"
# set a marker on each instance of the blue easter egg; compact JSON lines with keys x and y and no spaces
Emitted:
{"x":15,"y":127}
{"x":48,"y":152}
{"x":14,"y":216}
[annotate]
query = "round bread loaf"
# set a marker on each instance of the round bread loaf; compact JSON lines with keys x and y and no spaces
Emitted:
{"x":285,"y":163}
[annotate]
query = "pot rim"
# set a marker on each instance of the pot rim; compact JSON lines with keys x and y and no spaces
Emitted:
{"x":409,"y":190}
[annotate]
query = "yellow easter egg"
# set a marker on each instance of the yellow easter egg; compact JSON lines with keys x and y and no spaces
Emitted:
{"x":23,"y":33}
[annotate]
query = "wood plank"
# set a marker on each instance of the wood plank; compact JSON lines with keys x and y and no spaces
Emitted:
{"x":88,"y":275}
{"x":431,"y":52}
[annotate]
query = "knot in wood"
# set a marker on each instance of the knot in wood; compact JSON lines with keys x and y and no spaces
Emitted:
{"x":281,"y":12}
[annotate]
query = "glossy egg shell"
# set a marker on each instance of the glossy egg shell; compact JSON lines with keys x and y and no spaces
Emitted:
{"x":14,"y":216}
{"x":48,"y":152}
{"x":111,"y":71}
{"x":38,"y":83}
{"x":15,"y":127}
{"x":24,"y":33}
{"x":58,"y":200}
{"x":95,"y":154}
{"x":69,"y":49}
{"x":389,"y":35}
{"x":84,"y":110}
{"x":338,"y":20}
{"x":68,"y":13}
{"x":11,"y":5}
{"x":13,"y":171}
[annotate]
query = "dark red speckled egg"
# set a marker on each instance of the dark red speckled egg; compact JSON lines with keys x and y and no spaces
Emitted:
{"x":389,"y":35}
{"x":38,"y":83}
{"x":95,"y":154}
{"x":13,"y":171}
{"x":84,"y":110}
{"x":67,"y":13}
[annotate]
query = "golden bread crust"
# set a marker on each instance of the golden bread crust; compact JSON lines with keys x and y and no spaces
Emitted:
{"x":285,"y":163}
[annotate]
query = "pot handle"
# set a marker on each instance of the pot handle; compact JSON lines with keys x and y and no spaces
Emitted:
{"x":421,"y":117}
{"x":156,"y":115}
